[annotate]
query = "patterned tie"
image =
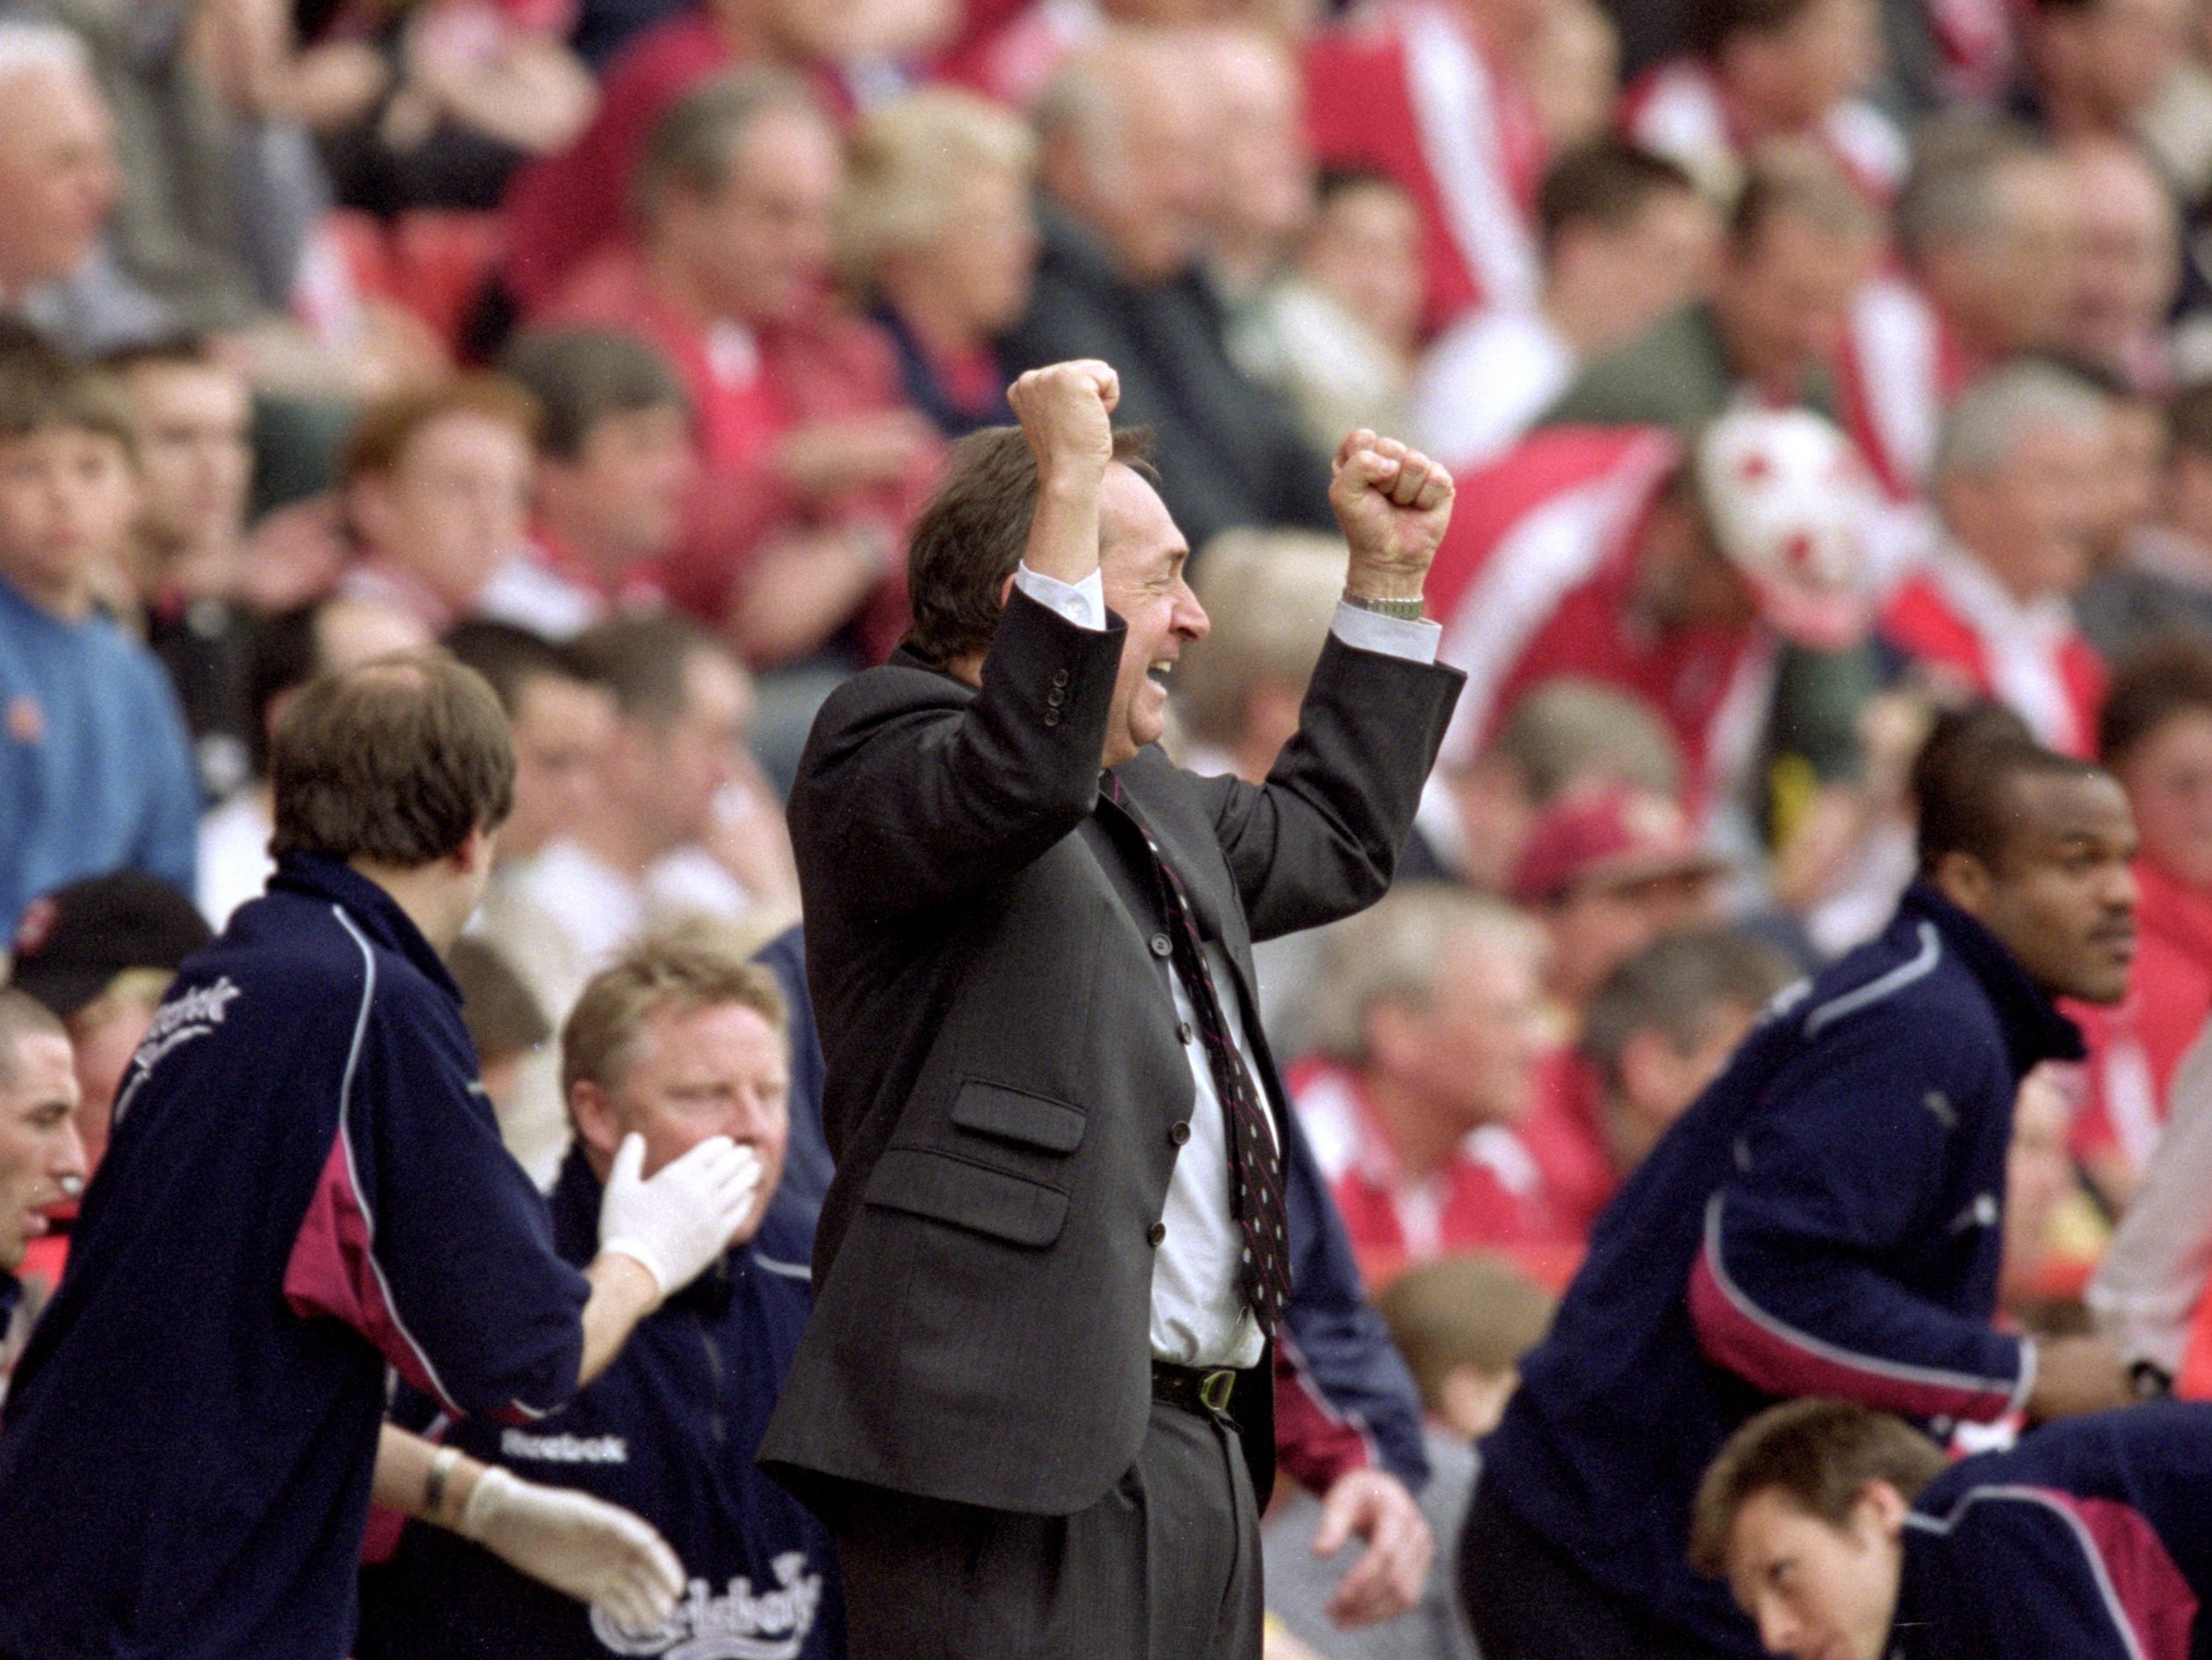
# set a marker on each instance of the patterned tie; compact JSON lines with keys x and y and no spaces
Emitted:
{"x":1255,"y":1171}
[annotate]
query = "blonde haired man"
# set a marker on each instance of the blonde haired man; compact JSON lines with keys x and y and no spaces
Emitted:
{"x":680,"y":1040}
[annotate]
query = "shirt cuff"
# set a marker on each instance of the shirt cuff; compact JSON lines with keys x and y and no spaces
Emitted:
{"x":1372,"y":631}
{"x":1082,"y":604}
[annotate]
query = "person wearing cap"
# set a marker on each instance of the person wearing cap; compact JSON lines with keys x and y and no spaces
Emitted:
{"x":1426,"y":1043}
{"x":2019,"y":483}
{"x":1826,"y":1218}
{"x":1668,"y":569}
{"x":1608,"y":869}
{"x":100,"y":954}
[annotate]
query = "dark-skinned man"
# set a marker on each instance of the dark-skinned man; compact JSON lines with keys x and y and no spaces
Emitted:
{"x":1825,"y":1219}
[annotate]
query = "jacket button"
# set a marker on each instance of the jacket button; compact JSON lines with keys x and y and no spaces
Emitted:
{"x":1182,"y":1033}
{"x":1179,"y":1132}
{"x":1162,"y":946}
{"x":1056,"y":697}
{"x":1052,"y":717}
{"x":1059,"y":677}
{"x":1154,"y":1234}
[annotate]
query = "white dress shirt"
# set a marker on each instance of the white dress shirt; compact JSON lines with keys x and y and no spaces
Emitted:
{"x":1198,"y":1312}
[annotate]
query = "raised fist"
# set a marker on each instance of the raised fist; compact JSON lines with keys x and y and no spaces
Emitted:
{"x":1393,"y":503}
{"x":1065,"y":409}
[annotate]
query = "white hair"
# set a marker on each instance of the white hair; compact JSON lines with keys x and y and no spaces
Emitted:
{"x":1398,"y":951}
{"x":1987,"y":424}
{"x":29,"y":49}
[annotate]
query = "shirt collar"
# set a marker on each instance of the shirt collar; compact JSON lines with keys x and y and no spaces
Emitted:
{"x":319,"y":877}
{"x":2035,"y":1030}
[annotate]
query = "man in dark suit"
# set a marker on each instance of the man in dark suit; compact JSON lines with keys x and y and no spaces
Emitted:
{"x":1053,"y":1255}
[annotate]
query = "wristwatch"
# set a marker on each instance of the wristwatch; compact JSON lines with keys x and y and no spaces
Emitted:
{"x":1407,"y":610}
{"x":2150,"y":1381}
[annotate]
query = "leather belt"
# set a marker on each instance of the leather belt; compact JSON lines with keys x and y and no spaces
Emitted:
{"x":1192,"y":1387}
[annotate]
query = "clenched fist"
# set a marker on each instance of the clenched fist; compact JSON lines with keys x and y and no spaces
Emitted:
{"x":1394,"y":502}
{"x":1064,"y":410}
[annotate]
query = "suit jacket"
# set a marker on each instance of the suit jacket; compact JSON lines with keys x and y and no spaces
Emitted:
{"x":1004,"y":1080}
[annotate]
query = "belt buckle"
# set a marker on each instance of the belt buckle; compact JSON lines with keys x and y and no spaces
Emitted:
{"x":1215,"y":1388}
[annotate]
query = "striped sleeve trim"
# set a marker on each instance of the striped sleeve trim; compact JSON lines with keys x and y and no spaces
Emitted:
{"x":333,"y":1269}
{"x":2144,"y":1595}
{"x":1735,"y":1333}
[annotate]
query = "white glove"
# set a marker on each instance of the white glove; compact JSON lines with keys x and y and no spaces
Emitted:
{"x":596,"y":1552}
{"x":679,"y":1222}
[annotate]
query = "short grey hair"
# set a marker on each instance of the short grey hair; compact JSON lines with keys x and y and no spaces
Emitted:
{"x":1394,"y":953}
{"x":1984,"y":426}
{"x":1567,"y":730}
{"x":911,"y":157}
{"x":691,"y":147}
{"x":1272,"y":596}
{"x":1086,"y":100}
{"x":1950,"y":195}
{"x":21,"y":1016}
{"x":29,"y":48}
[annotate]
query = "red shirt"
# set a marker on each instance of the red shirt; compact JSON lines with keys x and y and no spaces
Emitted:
{"x":561,"y":207}
{"x":1409,"y":94}
{"x":1013,"y":62}
{"x":1490,"y":1195}
{"x":2025,"y":654}
{"x":1902,"y":367}
{"x":1678,"y":109}
{"x":747,"y":388}
{"x":1566,"y":1138}
{"x":2134,"y":1047}
{"x":1534,"y":580}
{"x":638,"y":588}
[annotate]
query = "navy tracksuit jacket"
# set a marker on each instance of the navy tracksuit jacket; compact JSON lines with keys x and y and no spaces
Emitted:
{"x":668,"y":1432}
{"x":1824,"y":1221}
{"x":2091,"y":1541}
{"x":305,"y":1184}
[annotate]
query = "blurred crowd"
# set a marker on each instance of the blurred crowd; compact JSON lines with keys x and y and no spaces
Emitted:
{"x":1819,"y":376}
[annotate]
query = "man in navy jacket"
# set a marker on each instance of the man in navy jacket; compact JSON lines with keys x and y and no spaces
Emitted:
{"x":304,"y":1184}
{"x":677,"y":1040}
{"x":1846,"y":1534}
{"x":1825,"y":1219}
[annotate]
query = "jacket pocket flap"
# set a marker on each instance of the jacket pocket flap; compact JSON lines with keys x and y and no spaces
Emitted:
{"x":944,"y":1188}
{"x":993,"y":1109}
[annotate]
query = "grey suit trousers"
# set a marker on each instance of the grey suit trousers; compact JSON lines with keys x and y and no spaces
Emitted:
{"x":1165,"y":1567}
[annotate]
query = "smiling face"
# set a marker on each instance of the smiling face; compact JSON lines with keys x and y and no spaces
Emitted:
{"x":1816,"y":1591}
{"x":1141,"y":556}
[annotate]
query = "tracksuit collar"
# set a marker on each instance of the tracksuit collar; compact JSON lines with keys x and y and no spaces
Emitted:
{"x":2035,"y":1030}
{"x":319,"y":877}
